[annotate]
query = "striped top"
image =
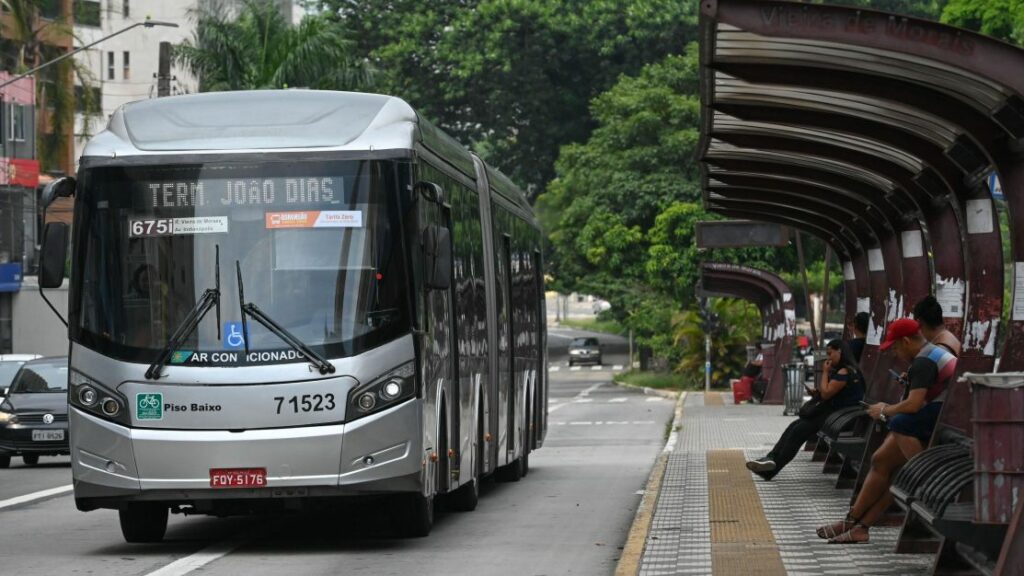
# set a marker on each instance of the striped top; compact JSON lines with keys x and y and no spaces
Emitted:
{"x":933,"y":369}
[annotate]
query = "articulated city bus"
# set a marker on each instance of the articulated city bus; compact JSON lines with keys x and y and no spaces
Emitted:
{"x":282,"y":296}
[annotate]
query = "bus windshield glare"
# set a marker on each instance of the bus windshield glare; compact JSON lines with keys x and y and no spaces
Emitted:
{"x":317,"y":243}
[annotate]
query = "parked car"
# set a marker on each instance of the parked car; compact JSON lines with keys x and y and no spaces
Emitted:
{"x":584,"y":350}
{"x":34,"y":415}
{"x":9,"y":365}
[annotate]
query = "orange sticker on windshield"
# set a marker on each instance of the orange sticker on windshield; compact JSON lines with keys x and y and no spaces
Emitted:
{"x":315,"y":219}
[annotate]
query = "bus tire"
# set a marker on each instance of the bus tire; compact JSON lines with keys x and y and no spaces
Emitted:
{"x":5,"y":461}
{"x":143,"y":522}
{"x":30,"y":459}
{"x":418,"y":517}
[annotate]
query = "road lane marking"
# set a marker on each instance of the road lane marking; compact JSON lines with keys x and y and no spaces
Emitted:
{"x":619,"y":399}
{"x":617,"y":367}
{"x":596,"y":367}
{"x":35,"y":496}
{"x":575,"y":369}
{"x":198,"y":560}
{"x":581,"y":395}
{"x":554,"y":368}
{"x":655,"y":399}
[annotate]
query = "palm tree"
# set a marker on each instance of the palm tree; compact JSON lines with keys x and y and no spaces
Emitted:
{"x":739,"y":324}
{"x":260,"y":49}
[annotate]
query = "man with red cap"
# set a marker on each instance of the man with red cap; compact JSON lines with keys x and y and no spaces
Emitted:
{"x":910,"y":423}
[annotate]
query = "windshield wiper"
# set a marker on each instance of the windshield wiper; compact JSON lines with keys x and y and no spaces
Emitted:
{"x":209,"y":299}
{"x":258,"y":315}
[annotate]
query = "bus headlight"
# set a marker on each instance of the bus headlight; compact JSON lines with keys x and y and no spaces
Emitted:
{"x":90,"y":396}
{"x":87,"y":395}
{"x":392,"y":388}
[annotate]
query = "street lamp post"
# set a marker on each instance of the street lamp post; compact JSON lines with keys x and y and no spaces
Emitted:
{"x":146,"y":23}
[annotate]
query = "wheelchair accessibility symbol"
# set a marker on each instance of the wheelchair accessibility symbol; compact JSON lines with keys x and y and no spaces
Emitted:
{"x":233,"y":338}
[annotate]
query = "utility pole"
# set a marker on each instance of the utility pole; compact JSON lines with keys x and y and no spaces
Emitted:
{"x":707,"y":362}
{"x":163,"y":79}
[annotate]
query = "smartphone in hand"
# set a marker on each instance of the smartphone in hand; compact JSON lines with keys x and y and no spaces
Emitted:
{"x":864,"y":404}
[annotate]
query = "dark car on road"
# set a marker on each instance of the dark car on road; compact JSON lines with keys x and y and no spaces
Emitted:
{"x":34,"y":413}
{"x":584,"y":350}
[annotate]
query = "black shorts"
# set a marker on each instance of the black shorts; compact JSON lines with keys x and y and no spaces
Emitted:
{"x":919,"y":424}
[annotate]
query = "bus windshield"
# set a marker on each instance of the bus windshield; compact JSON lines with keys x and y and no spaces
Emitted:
{"x":317,"y":244}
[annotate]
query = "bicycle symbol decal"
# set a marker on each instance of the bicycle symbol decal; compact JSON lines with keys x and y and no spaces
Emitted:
{"x":149,"y":406}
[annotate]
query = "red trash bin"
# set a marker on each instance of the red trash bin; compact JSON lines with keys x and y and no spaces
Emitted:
{"x":743,"y":390}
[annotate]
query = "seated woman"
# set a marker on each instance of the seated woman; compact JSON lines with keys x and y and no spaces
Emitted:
{"x":911,"y":422}
{"x":841,"y":385}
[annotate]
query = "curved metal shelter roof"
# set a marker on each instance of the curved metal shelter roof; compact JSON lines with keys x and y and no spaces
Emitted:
{"x":876,"y":133}
{"x":778,"y":315}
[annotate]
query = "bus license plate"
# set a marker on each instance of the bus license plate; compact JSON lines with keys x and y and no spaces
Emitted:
{"x":238,"y":477}
{"x":47,"y":435}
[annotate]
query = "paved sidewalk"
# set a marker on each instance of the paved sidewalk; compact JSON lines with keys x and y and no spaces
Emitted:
{"x":719,"y":527}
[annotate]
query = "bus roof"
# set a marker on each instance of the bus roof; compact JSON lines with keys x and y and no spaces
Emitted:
{"x":261,"y":120}
{"x":279,"y":121}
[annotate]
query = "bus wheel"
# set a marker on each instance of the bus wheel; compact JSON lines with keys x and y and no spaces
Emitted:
{"x":5,"y":461}
{"x":418,"y":516}
{"x":30,"y":459}
{"x":143,"y":522}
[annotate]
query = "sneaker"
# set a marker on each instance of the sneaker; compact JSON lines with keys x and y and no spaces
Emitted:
{"x":761,"y":466}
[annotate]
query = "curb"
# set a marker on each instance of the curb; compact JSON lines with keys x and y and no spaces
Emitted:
{"x":652,"y":391}
{"x":633,"y":551}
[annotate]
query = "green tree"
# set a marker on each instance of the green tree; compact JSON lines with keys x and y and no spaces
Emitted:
{"x":513,"y":77}
{"x":31,"y":33}
{"x":1002,"y":19}
{"x":739,"y":325}
{"x":622,"y":212}
{"x":259,"y":49}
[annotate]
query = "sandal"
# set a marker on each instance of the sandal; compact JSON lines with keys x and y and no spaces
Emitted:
{"x":829,"y":531}
{"x":848,"y":537}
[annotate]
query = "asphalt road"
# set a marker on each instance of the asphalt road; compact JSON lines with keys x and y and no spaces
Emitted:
{"x":570,"y":515}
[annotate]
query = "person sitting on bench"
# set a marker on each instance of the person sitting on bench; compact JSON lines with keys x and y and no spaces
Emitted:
{"x":928,"y":313}
{"x":910,"y":422}
{"x":841,"y":385}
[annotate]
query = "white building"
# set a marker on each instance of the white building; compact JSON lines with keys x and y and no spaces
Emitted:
{"x":124,"y":68}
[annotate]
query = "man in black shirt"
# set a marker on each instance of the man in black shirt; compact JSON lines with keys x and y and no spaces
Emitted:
{"x":859,"y":328}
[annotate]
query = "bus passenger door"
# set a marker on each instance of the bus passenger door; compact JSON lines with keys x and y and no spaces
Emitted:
{"x":436,"y":323}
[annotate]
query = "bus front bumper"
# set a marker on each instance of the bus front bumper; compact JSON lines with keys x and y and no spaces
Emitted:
{"x":111,"y":463}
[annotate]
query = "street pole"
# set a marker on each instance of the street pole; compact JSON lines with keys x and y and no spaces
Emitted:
{"x":707,"y":363}
{"x":630,"y":367}
{"x":807,"y":294}
{"x":147,"y":24}
{"x":163,"y":79}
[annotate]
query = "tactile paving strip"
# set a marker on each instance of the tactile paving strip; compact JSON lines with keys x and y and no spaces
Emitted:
{"x":741,"y":537}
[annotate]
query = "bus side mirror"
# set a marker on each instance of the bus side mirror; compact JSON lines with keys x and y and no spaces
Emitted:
{"x":62,"y":187}
{"x":53,"y":254}
{"x":437,"y":257}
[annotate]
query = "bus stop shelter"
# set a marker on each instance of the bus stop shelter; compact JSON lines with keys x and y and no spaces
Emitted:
{"x":778,"y":315}
{"x":876,"y":133}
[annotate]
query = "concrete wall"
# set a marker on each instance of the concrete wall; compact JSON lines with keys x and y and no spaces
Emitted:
{"x":35,"y":328}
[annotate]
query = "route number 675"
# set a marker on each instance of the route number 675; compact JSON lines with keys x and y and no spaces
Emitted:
{"x":151,"y":227}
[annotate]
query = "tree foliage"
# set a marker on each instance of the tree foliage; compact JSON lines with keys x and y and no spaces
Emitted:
{"x":622,"y":211}
{"x":29,"y":40}
{"x":513,"y":77}
{"x":740,"y":324}
{"x":1002,"y":19}
{"x":258,"y":48}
